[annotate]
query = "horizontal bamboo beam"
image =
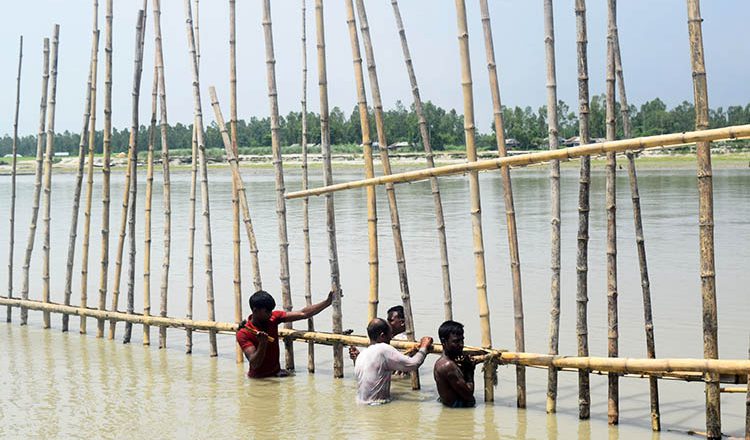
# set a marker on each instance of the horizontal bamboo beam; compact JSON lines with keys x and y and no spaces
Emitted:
{"x":624,"y":145}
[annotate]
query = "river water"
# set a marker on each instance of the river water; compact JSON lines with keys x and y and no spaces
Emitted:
{"x":70,"y":386}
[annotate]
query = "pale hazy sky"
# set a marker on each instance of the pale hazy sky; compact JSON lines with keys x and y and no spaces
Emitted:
{"x":653,"y":36}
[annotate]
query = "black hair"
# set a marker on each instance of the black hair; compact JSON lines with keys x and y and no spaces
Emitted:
{"x":262,"y":300}
{"x":396,"y":309}
{"x":376,"y":327}
{"x":450,"y":328}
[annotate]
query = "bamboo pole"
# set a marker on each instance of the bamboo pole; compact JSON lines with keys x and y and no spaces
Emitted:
{"x":166,"y":184}
{"x":204,"y":176}
{"x":240,"y":357}
{"x":79,"y":185}
{"x":705,"y":219}
{"x":434,"y":185}
{"x":106,"y":151}
{"x":639,"y":237}
{"x":476,"y":209}
{"x":398,"y":242}
{"x":372,"y":207}
{"x":584,"y":183}
{"x":147,"y":209}
{"x":286,"y":294}
{"x":40,"y":143}
{"x":14,"y":151}
{"x":48,"y":169}
{"x":554,"y":325}
{"x":325,"y":147}
{"x":306,"y":200}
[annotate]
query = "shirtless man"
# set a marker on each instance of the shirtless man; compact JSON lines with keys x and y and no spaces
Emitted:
{"x":454,"y":372}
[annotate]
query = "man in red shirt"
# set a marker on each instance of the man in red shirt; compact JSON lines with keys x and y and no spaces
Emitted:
{"x":262,"y":325}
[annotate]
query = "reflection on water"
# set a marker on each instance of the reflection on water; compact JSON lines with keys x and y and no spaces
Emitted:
{"x":68,"y":386}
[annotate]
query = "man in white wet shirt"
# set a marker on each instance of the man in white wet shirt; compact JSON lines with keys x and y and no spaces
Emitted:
{"x":376,"y":363}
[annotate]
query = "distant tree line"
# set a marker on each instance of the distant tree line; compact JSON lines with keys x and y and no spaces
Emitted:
{"x":526,"y":125}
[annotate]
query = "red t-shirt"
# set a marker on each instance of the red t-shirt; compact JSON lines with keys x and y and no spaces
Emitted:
{"x":270,"y":364}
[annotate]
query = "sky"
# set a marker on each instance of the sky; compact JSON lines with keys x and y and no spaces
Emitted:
{"x":653,"y":40}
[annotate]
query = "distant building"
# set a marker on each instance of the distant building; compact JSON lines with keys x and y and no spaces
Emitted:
{"x":397,"y":145}
{"x":61,"y":154}
{"x":512,"y":143}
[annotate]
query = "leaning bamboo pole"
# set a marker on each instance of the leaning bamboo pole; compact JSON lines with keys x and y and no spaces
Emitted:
{"x":476,"y":208}
{"x":237,"y":275}
{"x":286,"y":293}
{"x":325,"y":147}
{"x":147,"y":209}
{"x":398,"y":242}
{"x":14,"y":151}
{"x":40,"y":143}
{"x":47,"y":195}
{"x":639,"y":237}
{"x":582,"y":239}
{"x":372,"y":207}
{"x":208,"y":255}
{"x":79,"y":184}
{"x":434,"y":185}
{"x":554,"y":176}
{"x":705,"y":219}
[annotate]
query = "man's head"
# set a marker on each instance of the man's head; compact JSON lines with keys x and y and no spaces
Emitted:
{"x":451,"y":335}
{"x":396,"y":319}
{"x":379,"y":331}
{"x":262,"y":304}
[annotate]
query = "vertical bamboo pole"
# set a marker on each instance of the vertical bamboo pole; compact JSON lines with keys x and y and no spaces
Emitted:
{"x":240,"y":357}
{"x":306,"y":200}
{"x":510,"y":211}
{"x":79,"y":185}
{"x":48,"y":169}
{"x":584,"y":388}
{"x":14,"y":150}
{"x":364,"y":121}
{"x":204,"y":177}
{"x":40,"y":142}
{"x":106,"y":151}
{"x":434,"y":185}
{"x":705,"y":219}
{"x":398,"y":242}
{"x":613,"y":405}
{"x":554,"y":325}
{"x":147,"y":214}
{"x":476,"y":207}
{"x":325,"y":146}
{"x":639,"y":237}
{"x":166,"y":184}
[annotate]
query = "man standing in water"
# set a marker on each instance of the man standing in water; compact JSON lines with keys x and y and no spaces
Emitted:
{"x":454,"y":372}
{"x":259,"y":335}
{"x":375,"y":363}
{"x":397,"y":321}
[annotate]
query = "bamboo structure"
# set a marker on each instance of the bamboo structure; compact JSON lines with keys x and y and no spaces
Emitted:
{"x":237,"y":282}
{"x":286,"y":293}
{"x":582,"y":239}
{"x":554,"y":135}
{"x":204,"y":176}
{"x":705,"y":219}
{"x":476,"y":209}
{"x":325,"y":147}
{"x":639,"y":237}
{"x":14,"y":150}
{"x":147,"y":208}
{"x":434,"y":185}
{"x":47,"y":195}
{"x":40,"y":143}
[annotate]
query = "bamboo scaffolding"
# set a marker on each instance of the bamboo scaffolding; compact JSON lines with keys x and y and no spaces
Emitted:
{"x":372,"y":207}
{"x":73,"y":235}
{"x":639,"y":237}
{"x":40,"y":143}
{"x":240,"y":357}
{"x":325,"y":147}
{"x":554,"y":176}
{"x":476,"y":209}
{"x":434,"y":185}
{"x":705,"y":219}
{"x":106,"y":151}
{"x":48,"y":169}
{"x":14,"y":151}
{"x":208,"y":255}
{"x":147,"y":209}
{"x":398,"y":242}
{"x":582,"y":241}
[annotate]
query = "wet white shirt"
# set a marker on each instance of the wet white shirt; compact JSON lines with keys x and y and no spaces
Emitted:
{"x":373,"y":370}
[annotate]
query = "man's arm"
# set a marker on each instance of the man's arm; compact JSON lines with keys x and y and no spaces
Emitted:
{"x":398,"y":362}
{"x":309,"y":311}
{"x":455,"y":379}
{"x":255,"y":355}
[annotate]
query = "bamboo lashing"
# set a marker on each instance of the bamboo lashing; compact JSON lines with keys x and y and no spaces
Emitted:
{"x":236,"y":255}
{"x":14,"y":152}
{"x":147,"y":207}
